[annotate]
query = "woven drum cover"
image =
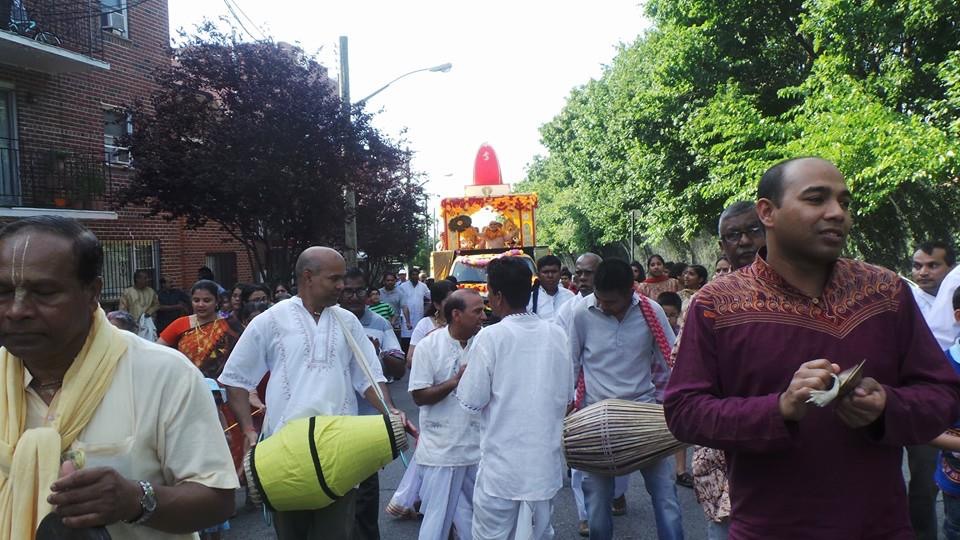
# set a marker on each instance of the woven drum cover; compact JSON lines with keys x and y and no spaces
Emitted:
{"x":311,"y":462}
{"x":615,"y":437}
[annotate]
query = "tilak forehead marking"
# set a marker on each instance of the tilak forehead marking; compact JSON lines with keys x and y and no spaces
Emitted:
{"x":23,"y":261}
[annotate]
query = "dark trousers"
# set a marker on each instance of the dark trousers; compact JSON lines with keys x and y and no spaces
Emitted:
{"x":922,"y":491}
{"x":335,"y":522}
{"x":368,"y":509}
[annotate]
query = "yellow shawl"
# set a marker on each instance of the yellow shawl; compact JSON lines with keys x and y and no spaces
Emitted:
{"x":30,"y":460}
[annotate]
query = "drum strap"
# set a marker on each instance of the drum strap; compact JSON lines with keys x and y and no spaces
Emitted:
{"x":359,"y":356}
{"x":659,"y":339}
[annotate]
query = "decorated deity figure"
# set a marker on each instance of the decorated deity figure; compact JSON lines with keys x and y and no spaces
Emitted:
{"x":493,"y":235}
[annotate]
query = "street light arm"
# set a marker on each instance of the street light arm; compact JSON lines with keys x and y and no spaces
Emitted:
{"x":441,"y":68}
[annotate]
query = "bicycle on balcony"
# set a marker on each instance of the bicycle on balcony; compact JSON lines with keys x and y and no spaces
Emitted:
{"x":20,"y":23}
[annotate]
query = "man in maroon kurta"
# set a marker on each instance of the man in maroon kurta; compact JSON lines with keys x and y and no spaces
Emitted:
{"x":758,"y":341}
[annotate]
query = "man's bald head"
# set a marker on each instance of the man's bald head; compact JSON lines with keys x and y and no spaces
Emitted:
{"x":584,"y":269}
{"x":773,"y":182}
{"x":316,"y":258}
{"x":463,"y":310}
{"x":590,"y":259}
{"x":320,"y":272}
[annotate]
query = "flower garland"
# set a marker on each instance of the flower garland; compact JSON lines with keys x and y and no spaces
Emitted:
{"x":481,"y":261}
{"x":504,"y":203}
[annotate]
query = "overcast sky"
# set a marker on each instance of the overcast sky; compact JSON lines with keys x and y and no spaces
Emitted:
{"x":514,"y":63}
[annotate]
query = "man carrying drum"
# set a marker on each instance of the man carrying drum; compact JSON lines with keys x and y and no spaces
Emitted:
{"x":302,"y":342}
{"x":759,"y":343}
{"x":449,"y":446}
{"x":622,"y":342}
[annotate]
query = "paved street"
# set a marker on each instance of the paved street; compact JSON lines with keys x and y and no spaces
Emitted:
{"x":637,"y":524}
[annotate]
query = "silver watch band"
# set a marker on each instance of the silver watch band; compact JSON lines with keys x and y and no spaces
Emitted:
{"x":148,"y":503}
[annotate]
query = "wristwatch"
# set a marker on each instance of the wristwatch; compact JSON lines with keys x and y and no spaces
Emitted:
{"x":148,"y":504}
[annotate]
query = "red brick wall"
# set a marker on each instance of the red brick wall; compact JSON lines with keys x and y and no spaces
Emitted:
{"x":65,"y":112}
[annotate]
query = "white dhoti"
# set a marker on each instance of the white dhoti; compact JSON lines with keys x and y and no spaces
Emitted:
{"x":446,"y":496}
{"x":402,"y":504}
{"x":620,"y":486}
{"x":499,"y":519}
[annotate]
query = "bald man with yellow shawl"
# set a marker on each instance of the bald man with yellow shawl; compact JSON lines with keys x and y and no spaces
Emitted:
{"x":132,"y":422}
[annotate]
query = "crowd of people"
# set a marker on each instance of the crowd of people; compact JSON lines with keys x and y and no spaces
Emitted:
{"x":142,"y":433}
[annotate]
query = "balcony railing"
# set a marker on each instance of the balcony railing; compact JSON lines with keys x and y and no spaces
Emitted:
{"x":74,"y":25}
{"x":51,"y":178}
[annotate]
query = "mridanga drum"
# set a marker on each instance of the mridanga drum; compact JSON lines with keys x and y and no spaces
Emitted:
{"x":615,"y":437}
{"x":311,"y":462}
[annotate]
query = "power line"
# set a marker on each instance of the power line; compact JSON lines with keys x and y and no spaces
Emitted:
{"x":251,"y":21}
{"x":237,"y":18}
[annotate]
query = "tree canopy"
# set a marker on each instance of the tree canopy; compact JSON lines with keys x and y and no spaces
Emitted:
{"x":253,"y":137}
{"x":687,"y":117}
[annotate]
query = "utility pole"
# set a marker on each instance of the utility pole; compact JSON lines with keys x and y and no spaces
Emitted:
{"x":349,"y":195}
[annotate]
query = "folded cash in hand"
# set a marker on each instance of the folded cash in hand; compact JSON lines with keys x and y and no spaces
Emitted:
{"x":843,"y":384}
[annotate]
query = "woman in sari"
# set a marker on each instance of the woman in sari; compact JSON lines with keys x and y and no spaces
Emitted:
{"x":203,"y":337}
{"x":657,"y":281}
{"x":206,"y":339}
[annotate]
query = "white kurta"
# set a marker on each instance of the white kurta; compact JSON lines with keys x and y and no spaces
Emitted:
{"x":940,"y":317}
{"x":520,"y":378}
{"x":924,"y":300}
{"x":449,"y":445}
{"x":312,"y":369}
{"x":547,"y":305}
{"x":449,"y":434}
{"x":413,"y":299}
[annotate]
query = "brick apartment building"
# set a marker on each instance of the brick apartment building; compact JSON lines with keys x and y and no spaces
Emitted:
{"x":66,"y":69}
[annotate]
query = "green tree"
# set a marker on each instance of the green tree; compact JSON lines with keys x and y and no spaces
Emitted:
{"x":686,"y":119}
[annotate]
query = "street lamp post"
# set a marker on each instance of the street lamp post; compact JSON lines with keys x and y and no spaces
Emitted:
{"x":350,"y":196}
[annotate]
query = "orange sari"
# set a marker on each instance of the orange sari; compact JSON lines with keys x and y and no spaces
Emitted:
{"x":208,"y":346}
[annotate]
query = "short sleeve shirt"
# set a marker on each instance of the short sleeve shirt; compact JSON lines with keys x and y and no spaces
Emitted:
{"x":157,"y":422}
{"x":312,"y":368}
{"x":449,"y":434}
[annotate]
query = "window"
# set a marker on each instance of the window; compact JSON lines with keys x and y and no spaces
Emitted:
{"x":116,"y":126}
{"x":113,"y":16}
{"x":121,"y":258}
{"x":9,"y":176}
{"x":224,"y":266}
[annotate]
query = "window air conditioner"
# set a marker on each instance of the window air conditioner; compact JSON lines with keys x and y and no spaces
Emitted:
{"x":114,"y":22}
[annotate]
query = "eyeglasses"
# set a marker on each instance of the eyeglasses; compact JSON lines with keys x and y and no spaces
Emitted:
{"x":732,"y":237}
{"x":354,"y":292}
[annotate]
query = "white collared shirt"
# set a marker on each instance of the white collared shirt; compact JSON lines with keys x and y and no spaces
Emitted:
{"x":312,"y":368}
{"x":449,"y":434}
{"x":549,"y":305}
{"x":519,"y":377}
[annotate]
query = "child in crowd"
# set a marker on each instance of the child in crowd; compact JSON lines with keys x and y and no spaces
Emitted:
{"x":382,"y":309}
{"x":947,"y":474}
{"x":672,"y":305}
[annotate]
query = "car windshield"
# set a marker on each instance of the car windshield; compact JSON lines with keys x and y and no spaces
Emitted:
{"x":477,"y":274}
{"x":469,"y":274}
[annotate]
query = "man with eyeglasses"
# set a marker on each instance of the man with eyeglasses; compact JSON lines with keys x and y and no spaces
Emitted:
{"x":741,"y":233}
{"x":741,"y":237}
{"x":353,"y":298}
